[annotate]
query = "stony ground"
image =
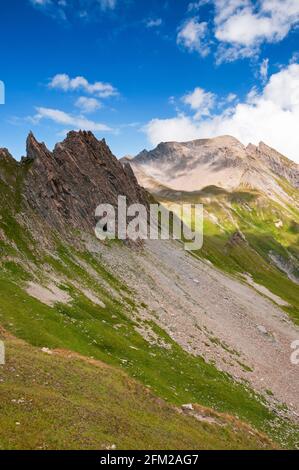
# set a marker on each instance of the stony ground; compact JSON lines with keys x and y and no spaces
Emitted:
{"x":214,"y":315}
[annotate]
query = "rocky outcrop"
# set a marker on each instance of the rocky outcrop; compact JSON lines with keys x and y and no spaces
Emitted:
{"x":237,"y":238}
{"x":65,"y":186}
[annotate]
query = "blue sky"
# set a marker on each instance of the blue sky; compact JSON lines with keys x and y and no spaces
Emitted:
{"x":138,"y":72}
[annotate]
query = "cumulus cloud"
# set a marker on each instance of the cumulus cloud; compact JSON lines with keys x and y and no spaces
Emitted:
{"x":179,"y":128}
{"x":99,"y":89}
{"x":200,"y":101}
{"x":65,"y":119}
{"x":192,"y":35}
{"x":271,"y":116}
{"x":87,"y":105}
{"x":241,"y":26}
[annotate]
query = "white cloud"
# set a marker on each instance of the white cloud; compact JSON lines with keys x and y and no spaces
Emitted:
{"x":231,"y":97}
{"x":271,"y":116}
{"x":264,"y":69}
{"x":40,"y":2}
{"x":103,"y":4}
{"x":179,"y":128}
{"x":60,"y":117}
{"x":107,"y":4}
{"x":65,"y":83}
{"x":53,"y":8}
{"x":295,"y":58}
{"x":195,"y":6}
{"x":192,"y":35}
{"x":69,"y":10}
{"x":241,"y":26}
{"x":154,"y":23}
{"x":200,"y":101}
{"x":87,"y":105}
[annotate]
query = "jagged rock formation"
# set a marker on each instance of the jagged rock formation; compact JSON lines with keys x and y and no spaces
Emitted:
{"x":222,"y":162}
{"x":65,"y":186}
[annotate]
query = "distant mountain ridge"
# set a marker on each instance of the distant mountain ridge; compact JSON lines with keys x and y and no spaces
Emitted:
{"x":221,"y":161}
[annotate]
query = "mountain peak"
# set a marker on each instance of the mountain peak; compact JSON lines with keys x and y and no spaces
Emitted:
{"x":35,"y":149}
{"x":31,"y":142}
{"x":85,"y":137}
{"x":82,"y":135}
{"x":65,"y":186}
{"x":220,"y":161}
{"x":225,"y":140}
{"x":83,"y":146}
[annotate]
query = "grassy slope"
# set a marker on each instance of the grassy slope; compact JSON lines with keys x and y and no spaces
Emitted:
{"x":255,"y":216}
{"x":108,"y":334}
{"x":65,"y":402}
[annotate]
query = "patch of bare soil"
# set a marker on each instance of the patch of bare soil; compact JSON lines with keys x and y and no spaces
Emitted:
{"x":49,"y":295}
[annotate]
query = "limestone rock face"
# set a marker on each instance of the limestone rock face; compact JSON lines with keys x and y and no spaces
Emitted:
{"x":65,"y":186}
